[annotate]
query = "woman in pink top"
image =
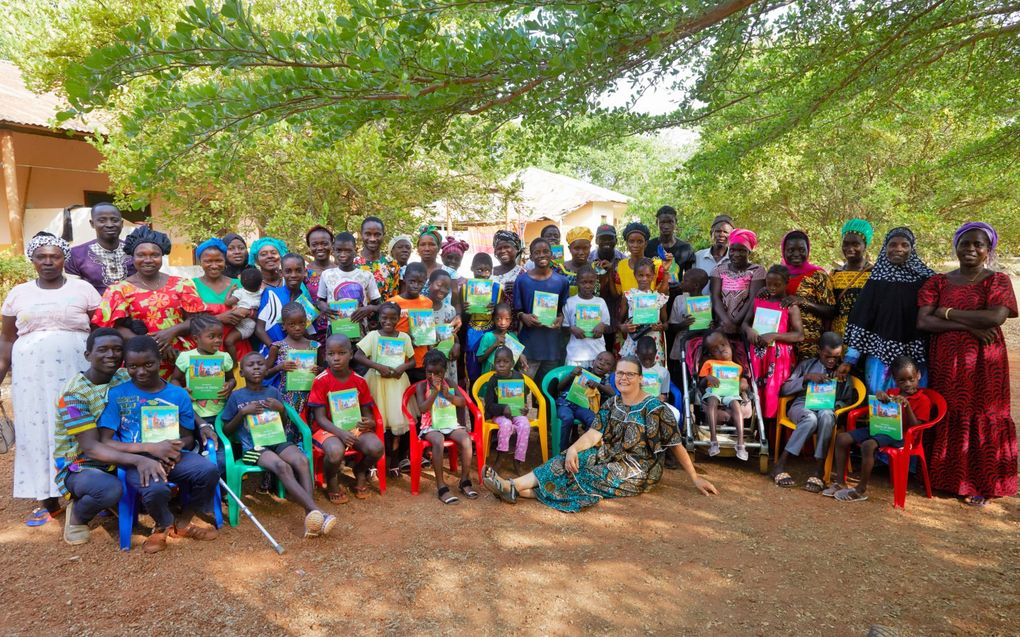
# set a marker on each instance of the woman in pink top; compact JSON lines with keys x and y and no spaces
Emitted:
{"x":736,"y":282}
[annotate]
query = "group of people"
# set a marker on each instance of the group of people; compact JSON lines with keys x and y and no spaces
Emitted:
{"x":128,"y":366}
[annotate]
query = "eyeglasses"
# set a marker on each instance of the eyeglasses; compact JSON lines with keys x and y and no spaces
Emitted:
{"x":627,"y":374}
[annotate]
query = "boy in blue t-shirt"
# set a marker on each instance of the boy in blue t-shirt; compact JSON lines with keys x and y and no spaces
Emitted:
{"x":542,"y":344}
{"x":151,"y":417}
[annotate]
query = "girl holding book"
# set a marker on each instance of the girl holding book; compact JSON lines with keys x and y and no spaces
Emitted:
{"x":499,"y":336}
{"x":644,"y":313}
{"x":771,"y":331}
{"x":438,"y":402}
{"x":735,"y":282}
{"x":478,"y":314}
{"x":388,"y":355}
{"x":446,"y":315}
{"x":291,"y":356}
{"x":505,"y":400}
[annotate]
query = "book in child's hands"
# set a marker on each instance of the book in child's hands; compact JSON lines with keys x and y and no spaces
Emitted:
{"x":650,"y":383}
{"x":557,"y":252}
{"x":766,"y":320}
{"x":587,"y":316}
{"x":515,"y":346}
{"x":206,"y":377}
{"x":266,"y":429}
{"x":820,"y":395}
{"x":444,"y":334}
{"x":700,"y":307}
{"x":646,"y":308}
{"x":344,"y":324}
{"x":301,"y":378}
{"x":311,"y":312}
{"x":160,"y":422}
{"x":729,"y":380}
{"x":344,"y":409}
{"x":578,"y":393}
{"x":423,"y":327}
{"x":479,"y":296}
{"x":545,"y":306}
{"x":885,"y":418}
{"x":390,"y":352}
{"x":444,"y":414}
{"x":511,"y":393}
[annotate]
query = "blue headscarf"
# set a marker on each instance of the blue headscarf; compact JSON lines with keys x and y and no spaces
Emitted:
{"x":212,"y":243}
{"x":258,"y":244}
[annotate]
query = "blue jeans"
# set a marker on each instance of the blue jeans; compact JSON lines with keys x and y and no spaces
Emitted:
{"x":196,"y":477}
{"x":93,"y":490}
{"x":569,"y":413}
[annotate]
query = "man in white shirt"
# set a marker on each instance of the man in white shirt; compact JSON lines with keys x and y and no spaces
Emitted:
{"x":708,"y":258}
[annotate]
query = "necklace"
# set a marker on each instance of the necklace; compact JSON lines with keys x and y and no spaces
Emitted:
{"x":975,"y":277}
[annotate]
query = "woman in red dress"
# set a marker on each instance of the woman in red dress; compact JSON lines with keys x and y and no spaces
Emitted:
{"x":974,"y":453}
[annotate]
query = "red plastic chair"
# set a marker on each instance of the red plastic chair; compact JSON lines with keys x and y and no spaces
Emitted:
{"x":899,"y":457}
{"x":380,"y":467}
{"x":418,"y":445}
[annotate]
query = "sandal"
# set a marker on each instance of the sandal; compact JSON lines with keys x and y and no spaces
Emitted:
{"x":784,"y":480}
{"x":38,"y":517}
{"x":393,"y":472}
{"x":404,"y":466}
{"x":445,"y":496}
{"x":361,"y":493}
{"x":713,"y":449}
{"x":338,"y":497}
{"x":503,"y":489}
{"x":468,"y":489}
{"x":977,"y":501}
{"x":814,"y":485}
{"x":851,"y":495}
{"x":834,"y":488}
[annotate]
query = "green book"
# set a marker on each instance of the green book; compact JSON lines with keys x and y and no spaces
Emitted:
{"x":479,"y":295}
{"x":557,"y":252}
{"x":700,"y":307}
{"x":266,"y":429}
{"x":588,"y":316}
{"x":545,"y":306}
{"x":578,"y":393}
{"x":650,"y":383}
{"x":646,"y":308}
{"x":820,"y":395}
{"x":444,"y":334}
{"x":206,"y":377}
{"x":444,"y":415}
{"x":729,"y":380}
{"x":766,"y":320}
{"x":423,"y":327}
{"x":515,"y":346}
{"x":885,"y":418}
{"x":160,"y":422}
{"x":511,"y":393}
{"x":301,"y":378}
{"x":345,"y":324}
{"x":344,"y":408}
{"x":390,"y":352}
{"x":311,"y":311}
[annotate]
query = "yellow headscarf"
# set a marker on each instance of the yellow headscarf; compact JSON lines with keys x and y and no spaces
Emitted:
{"x":579,"y":233}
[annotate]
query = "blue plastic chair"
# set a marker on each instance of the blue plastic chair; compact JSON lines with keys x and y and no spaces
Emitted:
{"x":127,"y":509}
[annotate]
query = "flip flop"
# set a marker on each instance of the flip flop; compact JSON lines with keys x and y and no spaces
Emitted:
{"x":361,"y":493}
{"x":851,"y":495}
{"x":834,"y":488}
{"x":338,"y":497}
{"x":446,"y":497}
{"x":814,"y":485}
{"x":468,"y":489}
{"x":38,"y":517}
{"x":784,"y":480}
{"x":976,"y":501}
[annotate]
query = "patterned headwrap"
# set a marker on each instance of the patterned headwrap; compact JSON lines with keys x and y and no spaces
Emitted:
{"x":636,"y":226}
{"x":454,"y":246}
{"x":212,"y":243}
{"x":47,"y":239}
{"x":858,"y":226}
{"x":914,"y":270}
{"x":508,"y":236}
{"x":429,"y":228}
{"x":744,"y":237}
{"x":580,"y":233}
{"x":145,"y":234}
{"x":397,"y":239}
{"x":258,"y":244}
{"x":993,"y":236}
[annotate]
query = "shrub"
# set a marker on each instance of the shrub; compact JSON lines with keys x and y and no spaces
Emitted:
{"x":14,"y":269}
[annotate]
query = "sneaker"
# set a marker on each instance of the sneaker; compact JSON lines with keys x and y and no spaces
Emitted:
{"x":713,"y":449}
{"x":155,"y":543}
{"x":742,"y":453}
{"x":329,"y":524}
{"x":314,"y":522}
{"x":195,"y":532}
{"x":74,"y":534}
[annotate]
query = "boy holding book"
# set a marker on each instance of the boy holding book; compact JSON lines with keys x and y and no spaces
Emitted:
{"x":152,"y":417}
{"x":726,"y":392}
{"x":256,"y":414}
{"x":586,"y":319}
{"x":914,"y":407}
{"x":203,"y":371}
{"x":344,"y":283}
{"x":478,"y":309}
{"x":539,"y":295}
{"x":818,"y":393}
{"x":574,"y":406}
{"x":342,"y":406}
{"x":410,"y":300}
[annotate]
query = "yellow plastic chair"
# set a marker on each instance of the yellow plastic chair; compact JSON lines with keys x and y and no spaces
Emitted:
{"x":538,"y":423}
{"x":782,"y":420}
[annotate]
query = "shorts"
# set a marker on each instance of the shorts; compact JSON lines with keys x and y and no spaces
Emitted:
{"x":252,"y":456}
{"x":726,"y":401}
{"x":863,"y":434}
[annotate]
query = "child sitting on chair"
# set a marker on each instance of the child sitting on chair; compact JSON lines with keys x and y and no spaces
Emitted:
{"x":502,"y":414}
{"x":285,"y":460}
{"x":437,"y":402}
{"x":915,"y":407}
{"x":721,"y":409}
{"x":571,"y":413}
{"x":820,"y":369}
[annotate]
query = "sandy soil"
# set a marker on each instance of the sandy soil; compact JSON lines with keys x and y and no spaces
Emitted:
{"x":756,"y":560}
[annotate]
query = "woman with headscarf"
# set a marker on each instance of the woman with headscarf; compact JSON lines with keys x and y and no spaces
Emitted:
{"x":42,"y":345}
{"x":427,"y":246}
{"x":214,"y":286}
{"x":848,"y":279}
{"x":974,"y":453}
{"x":237,"y":254}
{"x":735,"y":282}
{"x":883,"y":322}
{"x":452,"y":253}
{"x":636,"y":235}
{"x":810,"y":289}
{"x":507,"y":248}
{"x":150,"y":302}
{"x":267,"y":254}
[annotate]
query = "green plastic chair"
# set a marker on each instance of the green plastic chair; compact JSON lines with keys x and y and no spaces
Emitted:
{"x":555,"y":425}
{"x":237,"y":470}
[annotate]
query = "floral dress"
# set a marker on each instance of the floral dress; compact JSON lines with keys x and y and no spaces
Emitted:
{"x":629,"y":347}
{"x":156,"y":309}
{"x":386,"y":273}
{"x":816,"y":288}
{"x":627,"y":462}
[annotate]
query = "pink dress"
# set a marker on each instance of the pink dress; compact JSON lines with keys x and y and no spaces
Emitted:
{"x":771,"y":365}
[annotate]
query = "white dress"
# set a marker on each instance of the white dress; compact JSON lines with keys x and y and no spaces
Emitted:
{"x":50,"y":350}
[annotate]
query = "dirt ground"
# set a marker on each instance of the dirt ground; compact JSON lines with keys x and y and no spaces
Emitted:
{"x":756,"y":560}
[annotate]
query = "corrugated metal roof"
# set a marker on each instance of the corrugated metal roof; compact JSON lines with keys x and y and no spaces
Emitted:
{"x":18,"y":105}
